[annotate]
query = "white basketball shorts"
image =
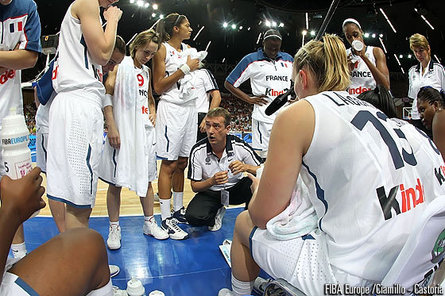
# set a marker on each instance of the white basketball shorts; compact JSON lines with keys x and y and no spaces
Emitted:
{"x":41,"y":149}
{"x":74,"y":146}
{"x":302,"y":261}
{"x":175,"y":129}
{"x":260,"y":136}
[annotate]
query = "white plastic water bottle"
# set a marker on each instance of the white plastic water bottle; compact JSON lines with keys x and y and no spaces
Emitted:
{"x":357,"y":45}
{"x":135,"y":288}
{"x":16,"y":155}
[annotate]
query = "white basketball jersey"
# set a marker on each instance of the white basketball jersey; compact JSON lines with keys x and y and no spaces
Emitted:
{"x":74,"y":68}
{"x":173,"y":60}
{"x":369,"y":179}
{"x":143,"y":79}
{"x":361,"y":77}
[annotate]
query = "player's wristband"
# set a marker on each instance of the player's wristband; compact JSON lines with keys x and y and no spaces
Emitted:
{"x":185,"y":69}
{"x":108,"y":100}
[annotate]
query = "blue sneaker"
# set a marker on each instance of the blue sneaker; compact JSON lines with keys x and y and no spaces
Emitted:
{"x":179,"y":215}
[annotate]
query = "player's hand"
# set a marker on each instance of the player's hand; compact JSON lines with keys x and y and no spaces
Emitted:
{"x":152,"y":117}
{"x":255,"y":182}
{"x":22,"y":197}
{"x":114,"y":137}
{"x":351,"y":63}
{"x":237,"y":167}
{"x":258,"y":100}
{"x":202,"y":125}
{"x":220,"y":178}
{"x":192,"y":63}
{"x":112,"y":13}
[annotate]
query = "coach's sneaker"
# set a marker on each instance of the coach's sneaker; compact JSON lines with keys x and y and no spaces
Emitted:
{"x":174,"y":231}
{"x":151,"y":228}
{"x":226,"y":292}
{"x":218,"y":219}
{"x":114,"y":238}
{"x":180,"y":216}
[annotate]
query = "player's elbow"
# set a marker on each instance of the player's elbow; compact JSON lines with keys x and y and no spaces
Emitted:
{"x":257,"y":220}
{"x":228,"y":85}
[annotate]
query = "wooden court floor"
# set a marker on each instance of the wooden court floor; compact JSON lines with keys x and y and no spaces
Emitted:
{"x":130,"y":204}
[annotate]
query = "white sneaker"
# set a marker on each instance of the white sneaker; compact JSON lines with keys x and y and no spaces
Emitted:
{"x":173,"y":230}
{"x":114,"y":270}
{"x":260,"y":285}
{"x":218,"y":219}
{"x":152,"y":228}
{"x":156,"y":197}
{"x":226,"y":292}
{"x":114,"y":238}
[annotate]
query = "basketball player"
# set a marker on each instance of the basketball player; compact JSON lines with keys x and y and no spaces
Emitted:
{"x":19,"y":49}
{"x":176,"y":118}
{"x":81,"y":249}
{"x":208,"y":95}
{"x":269,"y":71}
{"x":75,"y":118}
{"x":42,"y":116}
{"x":129,"y":157}
{"x":353,"y":240}
{"x":368,"y":66}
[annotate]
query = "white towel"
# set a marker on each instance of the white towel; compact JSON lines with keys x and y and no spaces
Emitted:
{"x":131,"y":157}
{"x":187,"y":83}
{"x":298,"y":219}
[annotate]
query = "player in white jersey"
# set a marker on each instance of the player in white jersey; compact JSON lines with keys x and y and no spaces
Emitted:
{"x":207,"y":95}
{"x":176,"y":117}
{"x":44,"y":95}
{"x":368,"y":66}
{"x":75,"y":117}
{"x":269,"y":71}
{"x":19,"y":49}
{"x":367,"y":192}
{"x":129,"y":158}
{"x":426,"y":73}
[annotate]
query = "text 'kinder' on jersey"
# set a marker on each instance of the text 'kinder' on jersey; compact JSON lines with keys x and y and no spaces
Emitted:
{"x":369,"y":177}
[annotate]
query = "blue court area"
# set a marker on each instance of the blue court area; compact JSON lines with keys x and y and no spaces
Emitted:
{"x":178,"y":268}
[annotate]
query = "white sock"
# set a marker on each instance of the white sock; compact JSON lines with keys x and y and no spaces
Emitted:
{"x":241,"y":288}
{"x":148,"y":218}
{"x":115,"y":224}
{"x":165,"y":208}
{"x":178,"y":200}
{"x":19,"y":247}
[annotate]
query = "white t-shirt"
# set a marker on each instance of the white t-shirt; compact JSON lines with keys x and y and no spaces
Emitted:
{"x":74,"y":68}
{"x":433,"y":76}
{"x":204,"y":83}
{"x":361,"y":77}
{"x":369,"y":179}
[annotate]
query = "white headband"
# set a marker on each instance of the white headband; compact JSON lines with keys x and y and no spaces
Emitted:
{"x":351,"y":20}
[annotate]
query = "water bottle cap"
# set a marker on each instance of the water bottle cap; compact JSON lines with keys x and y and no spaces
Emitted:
{"x":357,"y":45}
{"x":135,"y":288}
{"x":14,"y":121}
